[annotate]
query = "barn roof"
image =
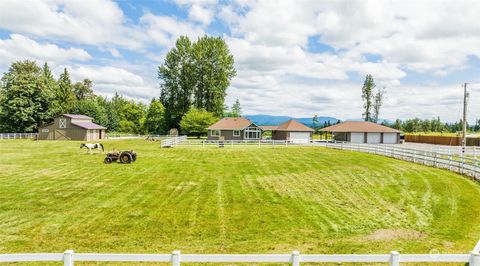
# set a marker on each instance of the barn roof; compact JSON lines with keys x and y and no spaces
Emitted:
{"x":359,"y":126}
{"x":77,"y":116}
{"x":88,"y":125}
{"x":231,"y":123}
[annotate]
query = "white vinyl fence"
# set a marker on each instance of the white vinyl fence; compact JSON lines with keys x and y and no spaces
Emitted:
{"x":134,"y":136}
{"x":460,"y":164}
{"x":247,"y":142}
{"x":295,"y":258}
{"x":18,"y":135}
{"x":172,"y":142}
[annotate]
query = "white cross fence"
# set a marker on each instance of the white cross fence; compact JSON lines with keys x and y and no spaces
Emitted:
{"x":18,"y":135}
{"x":295,"y":258}
{"x":173,"y":141}
{"x":462,"y":164}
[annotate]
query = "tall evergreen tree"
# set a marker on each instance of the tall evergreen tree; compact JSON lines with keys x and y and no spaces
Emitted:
{"x":65,"y":96}
{"x":49,"y":87}
{"x":236,"y":109}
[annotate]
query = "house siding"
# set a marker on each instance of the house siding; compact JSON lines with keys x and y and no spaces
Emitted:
{"x":279,"y":135}
{"x":227,"y":134}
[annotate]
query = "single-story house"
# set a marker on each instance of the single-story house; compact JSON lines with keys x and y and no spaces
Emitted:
{"x":234,"y":128}
{"x":363,"y":132}
{"x":291,"y":130}
{"x":72,"y":127}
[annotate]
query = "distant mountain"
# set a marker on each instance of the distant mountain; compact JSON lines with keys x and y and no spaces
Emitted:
{"x":273,"y":120}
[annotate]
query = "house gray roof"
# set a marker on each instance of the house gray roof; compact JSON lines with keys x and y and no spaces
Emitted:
{"x":77,"y":116}
{"x":88,"y":125}
{"x":359,"y":126}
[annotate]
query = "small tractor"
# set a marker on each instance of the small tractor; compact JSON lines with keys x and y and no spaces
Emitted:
{"x":123,"y":156}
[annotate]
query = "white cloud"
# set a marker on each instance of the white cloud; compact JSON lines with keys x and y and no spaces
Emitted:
{"x":199,"y":10}
{"x":200,"y":14}
{"x":19,"y":47}
{"x":87,"y":22}
{"x":165,"y":30}
{"x":108,"y":80}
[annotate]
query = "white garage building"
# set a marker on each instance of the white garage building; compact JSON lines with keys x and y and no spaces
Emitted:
{"x":363,"y":132}
{"x":291,"y":131}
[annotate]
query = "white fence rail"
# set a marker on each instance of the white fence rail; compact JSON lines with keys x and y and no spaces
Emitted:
{"x":295,"y":258}
{"x":460,"y":164}
{"x":134,"y":136}
{"x":18,"y":135}
{"x":171,"y":142}
{"x":228,"y":143}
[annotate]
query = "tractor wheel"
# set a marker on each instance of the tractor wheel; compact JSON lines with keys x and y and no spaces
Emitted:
{"x":125,"y":157}
{"x":108,"y":160}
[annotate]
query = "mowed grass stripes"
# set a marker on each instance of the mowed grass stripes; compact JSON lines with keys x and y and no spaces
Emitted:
{"x":53,"y":196}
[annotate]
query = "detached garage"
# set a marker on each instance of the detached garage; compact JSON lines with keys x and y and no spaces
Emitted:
{"x":292,"y":131}
{"x":363,"y":132}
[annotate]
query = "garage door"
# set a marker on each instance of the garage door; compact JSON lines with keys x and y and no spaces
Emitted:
{"x":357,"y":137}
{"x":373,"y":138}
{"x":390,"y":138}
{"x":299,"y":137}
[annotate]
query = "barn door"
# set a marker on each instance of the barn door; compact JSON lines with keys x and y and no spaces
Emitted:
{"x":61,"y":135}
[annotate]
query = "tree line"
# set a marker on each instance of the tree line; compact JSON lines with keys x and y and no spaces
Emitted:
{"x":417,"y":125}
{"x":30,"y":96}
{"x":193,"y":83}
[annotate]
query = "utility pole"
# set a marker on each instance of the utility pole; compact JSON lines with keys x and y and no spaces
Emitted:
{"x":465,"y":99}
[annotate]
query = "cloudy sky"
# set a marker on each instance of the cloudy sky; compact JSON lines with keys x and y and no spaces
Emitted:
{"x":295,"y":58}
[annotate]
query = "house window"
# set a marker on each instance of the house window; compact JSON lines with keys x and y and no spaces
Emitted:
{"x":236,"y":133}
{"x":62,"y":123}
{"x":253,"y":133}
{"x":215,"y":133}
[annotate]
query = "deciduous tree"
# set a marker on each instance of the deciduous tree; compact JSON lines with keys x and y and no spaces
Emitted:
{"x":377,"y":104}
{"x":196,"y":121}
{"x":195,"y":74}
{"x":367,"y":97}
{"x":154,"y":121}
{"x":24,"y":100}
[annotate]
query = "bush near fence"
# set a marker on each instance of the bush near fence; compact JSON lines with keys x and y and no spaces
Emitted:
{"x":442,"y":140}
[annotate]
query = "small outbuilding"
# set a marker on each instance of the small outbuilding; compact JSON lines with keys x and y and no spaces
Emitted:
{"x":234,"y":128}
{"x":363,"y":132}
{"x":292,"y":131}
{"x":72,"y":127}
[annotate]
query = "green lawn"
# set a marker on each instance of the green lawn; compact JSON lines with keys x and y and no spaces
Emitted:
{"x":53,"y":197}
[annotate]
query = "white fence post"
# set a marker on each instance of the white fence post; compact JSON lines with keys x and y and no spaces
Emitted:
{"x":176,"y":258}
{"x":394,"y":258}
{"x":474,"y":259}
{"x":68,"y":258}
{"x":295,"y":258}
